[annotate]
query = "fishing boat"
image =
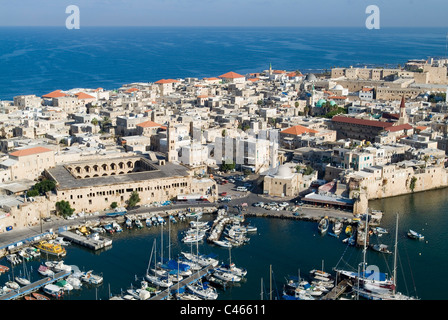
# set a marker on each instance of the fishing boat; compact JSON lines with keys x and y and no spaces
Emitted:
{"x":117,"y":227}
{"x":45,"y":271}
{"x":203,"y":290}
{"x":13,"y":259}
{"x":194,"y":215}
{"x":323,"y":225}
{"x":138,"y":223}
{"x":53,"y":290}
{"x":91,"y":278}
{"x":202,"y":260}
{"x":128,"y":223}
{"x":172,"y":219}
{"x":109,"y":228}
{"x":29,"y":298}
{"x":74,"y":281}
{"x":349,"y":230}
{"x":187,"y":296}
{"x":226,"y":276}
{"x":198,"y":224}
{"x":22,"y":281}
{"x":337,"y":228}
{"x":380,"y":231}
{"x":52,"y":249}
{"x":223,"y":243}
{"x":24,"y":255}
{"x":60,"y":266}
{"x":148,"y":222}
{"x":3,"y":269}
{"x":64,"y":284}
{"x":192,"y":238}
{"x":12,"y":285}
{"x":39,"y":296}
{"x":160,"y":220}
{"x":383,"y":248}
{"x":415,"y":235}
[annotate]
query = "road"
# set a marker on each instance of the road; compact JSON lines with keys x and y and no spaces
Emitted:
{"x":238,"y":198}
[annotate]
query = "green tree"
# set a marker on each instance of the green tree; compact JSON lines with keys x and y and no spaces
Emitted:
{"x":41,"y":188}
{"x":227,"y":166}
{"x":94,"y":121}
{"x":133,"y":200}
{"x":113,"y":205}
{"x":412,"y":183}
{"x":64,"y":208}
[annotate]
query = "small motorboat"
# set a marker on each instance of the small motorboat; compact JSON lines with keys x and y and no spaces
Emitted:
{"x":415,"y":235}
{"x":323,"y":225}
{"x":380,"y":248}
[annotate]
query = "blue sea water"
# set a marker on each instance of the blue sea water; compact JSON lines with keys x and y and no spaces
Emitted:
{"x":38,"y":60}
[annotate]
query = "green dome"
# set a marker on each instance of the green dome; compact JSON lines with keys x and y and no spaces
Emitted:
{"x":332,"y":103}
{"x":320,"y":102}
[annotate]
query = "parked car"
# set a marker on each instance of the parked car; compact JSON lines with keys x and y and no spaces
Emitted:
{"x":283,"y":204}
{"x":223,"y":194}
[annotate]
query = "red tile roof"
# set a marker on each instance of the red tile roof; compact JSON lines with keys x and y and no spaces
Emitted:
{"x":163,"y":81}
{"x":405,"y":126}
{"x":298,"y":130}
{"x":82,"y":95}
{"x":231,"y":75}
{"x":54,"y":94}
{"x":29,"y":151}
{"x":148,"y":124}
{"x":362,"y":122}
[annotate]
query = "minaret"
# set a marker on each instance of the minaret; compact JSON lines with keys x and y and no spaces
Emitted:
{"x":270,"y":69}
{"x":403,"y":116}
{"x":171,"y":142}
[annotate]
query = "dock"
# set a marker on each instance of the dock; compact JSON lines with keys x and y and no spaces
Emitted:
{"x":94,"y":243}
{"x":337,"y":290}
{"x":23,"y":291}
{"x":193,"y":278}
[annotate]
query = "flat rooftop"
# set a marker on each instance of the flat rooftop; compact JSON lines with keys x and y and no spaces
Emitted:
{"x":65,"y":180}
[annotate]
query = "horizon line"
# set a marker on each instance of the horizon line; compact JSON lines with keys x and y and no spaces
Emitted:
{"x":217,"y":26}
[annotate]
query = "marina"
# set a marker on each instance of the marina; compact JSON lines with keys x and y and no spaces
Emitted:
{"x":241,"y":254}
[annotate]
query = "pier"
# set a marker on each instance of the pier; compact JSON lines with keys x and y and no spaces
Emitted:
{"x":94,"y":243}
{"x":337,"y":290}
{"x":193,"y":278}
{"x":23,"y":291}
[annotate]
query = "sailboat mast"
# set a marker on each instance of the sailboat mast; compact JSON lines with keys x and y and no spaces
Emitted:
{"x":365,"y":243}
{"x":395,"y":255}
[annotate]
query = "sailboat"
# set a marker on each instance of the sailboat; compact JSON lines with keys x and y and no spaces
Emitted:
{"x":369,"y":280}
{"x":391,"y":295}
{"x":164,"y":282}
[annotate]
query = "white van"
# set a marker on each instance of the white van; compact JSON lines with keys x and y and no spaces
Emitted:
{"x":241,"y":189}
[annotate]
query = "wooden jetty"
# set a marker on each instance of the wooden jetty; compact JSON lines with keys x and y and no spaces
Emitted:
{"x":337,"y":290}
{"x":89,"y":242}
{"x":193,"y":278}
{"x":23,"y":291}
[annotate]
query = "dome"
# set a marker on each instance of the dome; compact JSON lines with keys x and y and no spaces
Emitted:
{"x":320,"y":102}
{"x":284,"y":171}
{"x":311,"y":77}
{"x":332,"y":103}
{"x":338,"y":87}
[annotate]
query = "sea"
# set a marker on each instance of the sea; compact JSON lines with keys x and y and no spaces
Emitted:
{"x":38,"y":60}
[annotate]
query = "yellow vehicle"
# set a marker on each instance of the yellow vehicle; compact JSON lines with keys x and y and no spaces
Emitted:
{"x":50,"y":248}
{"x":84,"y":230}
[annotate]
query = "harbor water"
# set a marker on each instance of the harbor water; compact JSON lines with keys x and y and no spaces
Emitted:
{"x":285,"y":246}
